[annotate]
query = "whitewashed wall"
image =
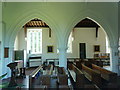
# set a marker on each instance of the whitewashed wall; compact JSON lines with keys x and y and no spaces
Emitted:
{"x":61,"y":17}
{"x":81,"y":35}
{"x":21,"y":44}
{"x":88,"y":36}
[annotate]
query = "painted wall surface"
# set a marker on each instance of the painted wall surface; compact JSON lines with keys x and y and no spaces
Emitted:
{"x":88,"y":36}
{"x":21,"y":39}
{"x":80,"y":35}
{"x":49,"y":42}
{"x":61,"y":13}
{"x":61,"y":17}
{"x":21,"y":44}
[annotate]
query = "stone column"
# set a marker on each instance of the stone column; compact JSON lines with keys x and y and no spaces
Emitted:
{"x":62,"y":57}
{"x":114,"y":59}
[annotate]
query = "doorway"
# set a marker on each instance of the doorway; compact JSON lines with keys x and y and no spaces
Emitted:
{"x":82,"y":50}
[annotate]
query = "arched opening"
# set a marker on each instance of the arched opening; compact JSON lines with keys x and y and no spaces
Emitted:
{"x":35,"y":43}
{"x":89,"y":42}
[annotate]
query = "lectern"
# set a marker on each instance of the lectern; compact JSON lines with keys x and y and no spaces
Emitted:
{"x":12,"y":67}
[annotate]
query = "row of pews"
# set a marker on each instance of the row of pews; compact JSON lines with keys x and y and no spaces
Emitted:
{"x":78,"y":78}
{"x":92,"y":76}
{"x":46,"y":76}
{"x":83,"y":74}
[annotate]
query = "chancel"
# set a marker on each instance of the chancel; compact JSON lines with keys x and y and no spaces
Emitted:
{"x":60,"y":45}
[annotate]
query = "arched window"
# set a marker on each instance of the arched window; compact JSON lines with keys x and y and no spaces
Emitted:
{"x":107,"y":45}
{"x":34,"y":40}
{"x":69,"y":45}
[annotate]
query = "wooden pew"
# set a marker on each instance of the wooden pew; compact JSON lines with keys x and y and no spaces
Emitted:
{"x":106,"y":74}
{"x":96,"y":62}
{"x":92,"y":75}
{"x":78,"y":64}
{"x":62,"y":76}
{"x":45,"y":79}
{"x":79,"y":78}
{"x":32,"y":76}
{"x":50,"y":70}
{"x":62,"y":79}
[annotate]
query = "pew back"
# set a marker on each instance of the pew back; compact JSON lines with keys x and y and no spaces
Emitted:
{"x":32,"y":76}
{"x":62,"y":76}
{"x":80,"y":78}
{"x":49,"y":71}
{"x":106,"y":74}
{"x":92,"y":75}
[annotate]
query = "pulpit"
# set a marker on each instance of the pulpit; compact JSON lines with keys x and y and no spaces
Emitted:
{"x":12,"y":67}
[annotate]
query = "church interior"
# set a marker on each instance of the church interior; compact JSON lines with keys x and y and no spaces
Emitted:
{"x":60,"y":45}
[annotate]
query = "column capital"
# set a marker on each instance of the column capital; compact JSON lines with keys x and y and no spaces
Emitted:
{"x":62,"y":48}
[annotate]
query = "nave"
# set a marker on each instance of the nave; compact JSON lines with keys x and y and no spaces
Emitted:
{"x":79,"y":74}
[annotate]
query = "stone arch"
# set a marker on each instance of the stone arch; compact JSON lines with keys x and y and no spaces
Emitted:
{"x":22,"y":20}
{"x":15,"y":28}
{"x":99,"y":19}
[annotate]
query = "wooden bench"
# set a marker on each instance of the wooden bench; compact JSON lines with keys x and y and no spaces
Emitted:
{"x":62,"y":76}
{"x":106,"y":74}
{"x":78,"y":64}
{"x":46,"y":78}
{"x":49,"y":71}
{"x":32,"y":76}
{"x":79,"y":78}
{"x":92,"y":75}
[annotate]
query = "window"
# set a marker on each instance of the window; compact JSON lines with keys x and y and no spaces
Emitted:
{"x":34,"y":41}
{"x":107,"y":46}
{"x":70,"y":39}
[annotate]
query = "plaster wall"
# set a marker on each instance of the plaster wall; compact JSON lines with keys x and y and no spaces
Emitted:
{"x":61,"y":13}
{"x":80,"y":35}
{"x":20,"y":43}
{"x":61,"y":17}
{"x":88,"y":36}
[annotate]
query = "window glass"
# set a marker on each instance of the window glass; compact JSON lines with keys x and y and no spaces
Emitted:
{"x":34,"y":41}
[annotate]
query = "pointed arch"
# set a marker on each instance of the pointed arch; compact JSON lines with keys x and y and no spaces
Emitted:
{"x":26,"y":17}
{"x":99,"y":19}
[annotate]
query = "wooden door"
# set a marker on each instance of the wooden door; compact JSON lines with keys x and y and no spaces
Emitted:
{"x":82,"y":50}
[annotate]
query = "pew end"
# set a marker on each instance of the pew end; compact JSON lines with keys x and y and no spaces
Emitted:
{"x":62,"y":76}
